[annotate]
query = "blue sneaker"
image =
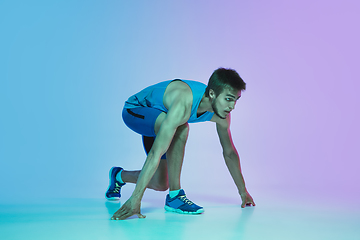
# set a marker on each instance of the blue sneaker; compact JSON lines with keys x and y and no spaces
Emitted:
{"x":113,"y":192}
{"x":181,"y":204}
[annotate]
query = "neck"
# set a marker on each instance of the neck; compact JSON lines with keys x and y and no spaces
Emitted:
{"x":205,"y":105}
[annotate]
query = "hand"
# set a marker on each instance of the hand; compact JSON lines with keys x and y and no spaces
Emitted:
{"x":128,"y":209}
{"x":246,"y":199}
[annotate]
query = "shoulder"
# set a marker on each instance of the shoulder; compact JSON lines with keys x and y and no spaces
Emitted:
{"x":178,"y":85}
{"x":177,"y":92}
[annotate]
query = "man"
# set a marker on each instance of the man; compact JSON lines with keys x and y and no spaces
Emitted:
{"x":161,"y":113}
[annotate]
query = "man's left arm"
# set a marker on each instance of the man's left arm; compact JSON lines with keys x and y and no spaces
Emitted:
{"x":232,"y":160}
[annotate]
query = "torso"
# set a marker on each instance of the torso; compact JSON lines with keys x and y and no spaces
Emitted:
{"x":162,"y":95}
{"x":179,"y":89}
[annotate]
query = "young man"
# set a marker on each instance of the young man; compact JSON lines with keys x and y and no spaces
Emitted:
{"x":161,"y":113}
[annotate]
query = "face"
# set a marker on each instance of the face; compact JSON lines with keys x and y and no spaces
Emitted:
{"x":225,"y":102}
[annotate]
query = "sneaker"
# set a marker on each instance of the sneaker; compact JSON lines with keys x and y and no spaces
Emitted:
{"x":181,"y":204}
{"x":113,"y":192}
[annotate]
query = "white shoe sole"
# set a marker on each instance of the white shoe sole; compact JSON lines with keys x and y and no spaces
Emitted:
{"x":170,"y":209}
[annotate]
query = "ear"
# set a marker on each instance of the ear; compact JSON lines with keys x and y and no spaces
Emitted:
{"x":212,"y":94}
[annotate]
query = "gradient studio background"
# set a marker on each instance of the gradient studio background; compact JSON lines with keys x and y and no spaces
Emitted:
{"x":66,"y":67}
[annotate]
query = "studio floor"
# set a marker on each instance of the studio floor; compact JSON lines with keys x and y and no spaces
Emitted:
{"x":223,"y":219}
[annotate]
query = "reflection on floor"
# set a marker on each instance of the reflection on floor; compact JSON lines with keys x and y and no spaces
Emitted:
{"x":223,"y":219}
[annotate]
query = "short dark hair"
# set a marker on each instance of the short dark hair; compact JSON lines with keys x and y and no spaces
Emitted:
{"x":222,"y":78}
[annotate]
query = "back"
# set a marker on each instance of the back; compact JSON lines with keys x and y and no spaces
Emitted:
{"x":152,"y":96}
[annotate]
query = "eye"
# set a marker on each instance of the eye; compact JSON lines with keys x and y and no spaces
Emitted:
{"x":229,"y":99}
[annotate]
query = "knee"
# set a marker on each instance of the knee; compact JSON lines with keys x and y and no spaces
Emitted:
{"x":160,"y":181}
{"x":182,"y":131}
{"x":184,"y":128}
{"x":162,"y":186}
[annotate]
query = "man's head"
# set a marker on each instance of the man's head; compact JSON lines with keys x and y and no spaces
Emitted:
{"x":224,"y":89}
{"x":224,"y":78}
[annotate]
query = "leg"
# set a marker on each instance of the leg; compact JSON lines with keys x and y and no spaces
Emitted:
{"x":175,"y":153}
{"x":175,"y":156}
{"x":159,"y":181}
{"x":171,"y":168}
{"x":142,"y":120}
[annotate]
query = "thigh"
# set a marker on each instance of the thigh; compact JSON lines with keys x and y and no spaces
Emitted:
{"x":142,"y":120}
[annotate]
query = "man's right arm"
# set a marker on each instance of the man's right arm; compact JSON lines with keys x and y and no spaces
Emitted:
{"x":178,"y":114}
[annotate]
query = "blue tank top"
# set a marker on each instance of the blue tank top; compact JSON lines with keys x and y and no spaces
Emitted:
{"x":152,"y":96}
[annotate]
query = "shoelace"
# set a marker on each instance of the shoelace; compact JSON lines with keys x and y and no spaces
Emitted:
{"x":117,"y":188}
{"x":186,"y":200}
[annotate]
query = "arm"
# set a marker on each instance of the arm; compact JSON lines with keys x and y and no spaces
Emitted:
{"x":178,"y":114}
{"x":232,"y":160}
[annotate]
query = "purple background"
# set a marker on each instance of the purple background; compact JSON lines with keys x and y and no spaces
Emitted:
{"x":67,"y":67}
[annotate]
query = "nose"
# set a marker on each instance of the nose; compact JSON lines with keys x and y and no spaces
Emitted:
{"x":232,"y":105}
